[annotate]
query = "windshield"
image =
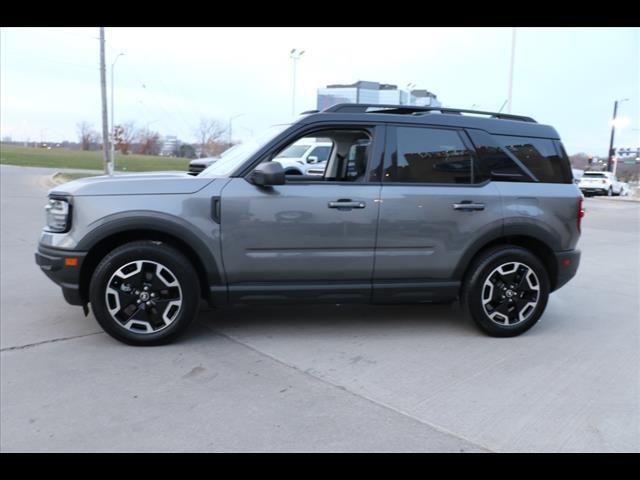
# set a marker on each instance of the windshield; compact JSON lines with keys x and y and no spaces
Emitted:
{"x":597,"y":175}
{"x":237,"y":155}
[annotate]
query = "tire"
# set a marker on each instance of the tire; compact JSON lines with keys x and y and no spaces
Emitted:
{"x":172,"y":290}
{"x":492,"y":306}
{"x":610,"y":192}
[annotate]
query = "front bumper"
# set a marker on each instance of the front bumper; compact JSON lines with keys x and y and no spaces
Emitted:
{"x":567,"y":265}
{"x":63,"y":267}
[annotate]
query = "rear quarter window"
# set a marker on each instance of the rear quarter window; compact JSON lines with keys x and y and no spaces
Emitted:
{"x":540,"y":155}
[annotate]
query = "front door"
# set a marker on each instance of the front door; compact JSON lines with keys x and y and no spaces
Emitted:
{"x":311,"y":239}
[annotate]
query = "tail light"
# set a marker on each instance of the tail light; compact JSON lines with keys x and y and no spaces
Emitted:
{"x":580,"y":214}
{"x":603,"y":181}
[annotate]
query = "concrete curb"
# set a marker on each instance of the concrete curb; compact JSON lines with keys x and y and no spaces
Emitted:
{"x":619,"y":199}
{"x":51,"y":179}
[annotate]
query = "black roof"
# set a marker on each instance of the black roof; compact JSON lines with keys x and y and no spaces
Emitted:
{"x":492,"y":122}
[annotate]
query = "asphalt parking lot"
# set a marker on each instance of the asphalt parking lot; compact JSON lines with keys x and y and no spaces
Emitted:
{"x":324,"y":378}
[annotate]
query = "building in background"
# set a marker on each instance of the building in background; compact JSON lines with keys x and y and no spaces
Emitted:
{"x":375,"y":93}
{"x":170,"y":146}
{"x":424,"y":98}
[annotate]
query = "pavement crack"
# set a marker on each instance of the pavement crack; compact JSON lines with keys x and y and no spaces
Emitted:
{"x":44,"y":342}
{"x":356,"y":394}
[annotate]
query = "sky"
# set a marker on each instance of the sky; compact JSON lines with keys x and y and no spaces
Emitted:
{"x":170,"y":78}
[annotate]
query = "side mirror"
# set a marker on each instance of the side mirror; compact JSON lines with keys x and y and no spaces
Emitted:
{"x":312,"y":159}
{"x":268,"y":173}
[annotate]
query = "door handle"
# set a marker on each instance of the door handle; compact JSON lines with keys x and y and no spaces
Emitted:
{"x":346,"y":204}
{"x":215,"y":209}
{"x":468,"y":206}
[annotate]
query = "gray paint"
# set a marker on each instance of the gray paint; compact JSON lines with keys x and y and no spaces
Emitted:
{"x":420,"y":235}
{"x":288,"y":233}
{"x":286,"y":242}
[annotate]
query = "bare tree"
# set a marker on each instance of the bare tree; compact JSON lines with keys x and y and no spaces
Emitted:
{"x":210,"y":134}
{"x":125,"y":135}
{"x":149,"y":142}
{"x":87,"y":134}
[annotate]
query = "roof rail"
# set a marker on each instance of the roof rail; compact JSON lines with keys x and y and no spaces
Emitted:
{"x":417,"y":110}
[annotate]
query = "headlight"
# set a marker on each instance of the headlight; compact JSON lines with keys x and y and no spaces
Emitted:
{"x":58,"y":218}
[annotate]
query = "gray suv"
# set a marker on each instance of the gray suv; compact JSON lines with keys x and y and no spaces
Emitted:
{"x":416,"y":204}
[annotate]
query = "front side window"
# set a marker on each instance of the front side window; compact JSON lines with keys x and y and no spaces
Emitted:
{"x":342,"y":156}
{"x":294,"y":151}
{"x":431,"y":155}
{"x":321,"y":153}
{"x":540,"y":156}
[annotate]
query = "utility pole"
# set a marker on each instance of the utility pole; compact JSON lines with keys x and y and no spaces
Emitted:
{"x":513,"y":57}
{"x":295,"y":56}
{"x":612,"y":151}
{"x":113,"y":115}
{"x":107,"y":163}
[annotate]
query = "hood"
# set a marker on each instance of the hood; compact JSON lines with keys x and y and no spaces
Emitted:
{"x":133,"y":184}
{"x":204,"y":161}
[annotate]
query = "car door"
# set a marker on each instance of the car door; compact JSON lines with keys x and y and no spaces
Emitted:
{"x":309,"y":239}
{"x":433,"y":207}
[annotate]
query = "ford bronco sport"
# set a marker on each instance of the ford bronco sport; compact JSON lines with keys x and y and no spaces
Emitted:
{"x":416,"y":204}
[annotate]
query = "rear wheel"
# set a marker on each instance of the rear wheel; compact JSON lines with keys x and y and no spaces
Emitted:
{"x":144,"y":293}
{"x":506,"y":291}
{"x":610,"y":192}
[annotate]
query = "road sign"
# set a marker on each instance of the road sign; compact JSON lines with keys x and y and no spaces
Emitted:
{"x":629,"y":151}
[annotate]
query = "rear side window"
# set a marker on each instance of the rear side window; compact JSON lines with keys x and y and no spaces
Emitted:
{"x":431,"y":155}
{"x":540,"y":156}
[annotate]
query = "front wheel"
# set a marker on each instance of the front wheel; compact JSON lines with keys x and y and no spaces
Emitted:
{"x":506,"y":291}
{"x":144,"y":293}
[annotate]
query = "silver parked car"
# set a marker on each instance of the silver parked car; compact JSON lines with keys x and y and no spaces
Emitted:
{"x":414,"y":204}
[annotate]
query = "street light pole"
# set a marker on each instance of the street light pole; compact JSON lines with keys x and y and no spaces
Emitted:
{"x":113,"y":132}
{"x":613,"y":132}
{"x":295,"y":55}
{"x":231,"y":126}
{"x":513,"y":57}
{"x":410,"y":86}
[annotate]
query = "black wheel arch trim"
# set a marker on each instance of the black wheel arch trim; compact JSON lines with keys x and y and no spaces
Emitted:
{"x":163,"y":224}
{"x":506,"y":234}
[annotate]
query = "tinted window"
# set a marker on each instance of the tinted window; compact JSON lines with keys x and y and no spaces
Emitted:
{"x":430,"y":155}
{"x":321,"y":152}
{"x":493,"y":161}
{"x":539,"y":155}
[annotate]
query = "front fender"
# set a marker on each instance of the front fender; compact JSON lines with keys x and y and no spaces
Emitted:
{"x":205,"y":246}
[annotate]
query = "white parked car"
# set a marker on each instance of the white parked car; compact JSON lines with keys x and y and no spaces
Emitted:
{"x":577,"y":175}
{"x":600,"y":183}
{"x":297,"y":158}
{"x":626,"y":189}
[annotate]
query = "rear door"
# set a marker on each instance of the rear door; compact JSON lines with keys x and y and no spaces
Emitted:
{"x":434,"y":206}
